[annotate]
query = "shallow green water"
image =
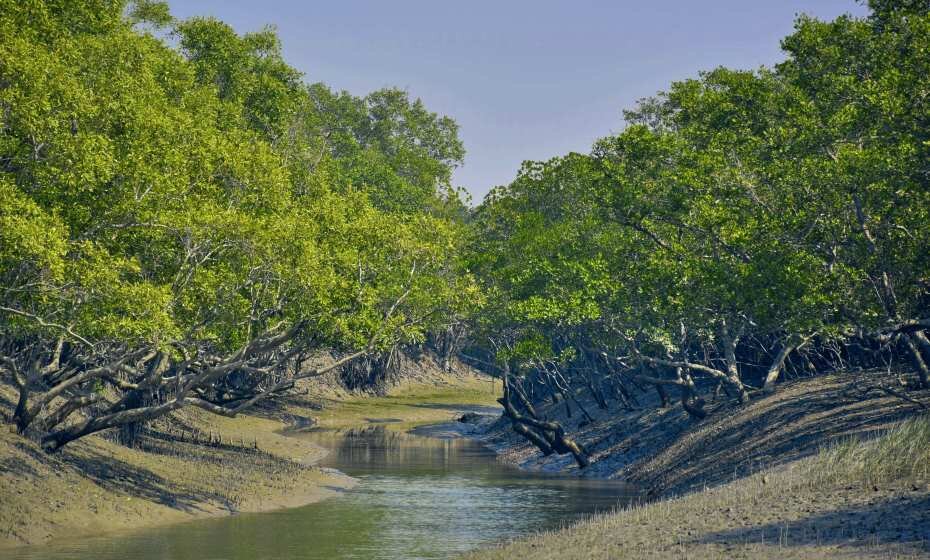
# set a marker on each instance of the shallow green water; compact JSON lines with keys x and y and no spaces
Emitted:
{"x":419,"y":497}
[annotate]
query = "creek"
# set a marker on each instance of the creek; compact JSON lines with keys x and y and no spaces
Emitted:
{"x":417,"y":497}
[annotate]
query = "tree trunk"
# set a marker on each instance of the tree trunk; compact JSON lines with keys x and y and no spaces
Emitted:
{"x":663,"y":395}
{"x":729,"y":352}
{"x":923,"y":372}
{"x":548,"y":437}
{"x":924,"y":344}
{"x":57,"y":440}
{"x":517,"y":389}
{"x":778,"y":363}
{"x":536,"y":439}
{"x":21,"y":416}
{"x":690,"y":401}
{"x":597,"y":394}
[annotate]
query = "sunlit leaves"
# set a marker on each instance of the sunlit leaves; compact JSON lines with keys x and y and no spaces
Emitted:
{"x":777,"y":201}
{"x":194,"y":197}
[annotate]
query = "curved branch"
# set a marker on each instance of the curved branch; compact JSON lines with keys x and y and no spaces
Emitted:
{"x":45,"y":323}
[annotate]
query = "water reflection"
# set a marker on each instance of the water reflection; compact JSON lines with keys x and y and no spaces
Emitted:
{"x":419,"y":498}
{"x":376,"y":449}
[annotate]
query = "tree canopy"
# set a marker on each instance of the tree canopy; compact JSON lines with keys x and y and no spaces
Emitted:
{"x":186,"y":220}
{"x":739,"y":219}
{"x":190,"y":224}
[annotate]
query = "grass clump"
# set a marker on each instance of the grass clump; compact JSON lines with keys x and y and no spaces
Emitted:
{"x":901,"y":453}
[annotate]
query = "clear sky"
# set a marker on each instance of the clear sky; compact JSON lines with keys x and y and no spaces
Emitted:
{"x":525,"y":79}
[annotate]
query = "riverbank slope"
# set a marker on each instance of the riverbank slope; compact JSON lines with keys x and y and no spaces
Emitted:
{"x":824,"y":467}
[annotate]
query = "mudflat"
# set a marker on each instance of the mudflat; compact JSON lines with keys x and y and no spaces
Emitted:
{"x":201,"y":465}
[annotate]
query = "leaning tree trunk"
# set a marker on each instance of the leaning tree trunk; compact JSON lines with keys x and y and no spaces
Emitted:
{"x":663,"y":395}
{"x":690,"y":401}
{"x":21,"y":416}
{"x":923,"y":371}
{"x":774,"y":371}
{"x":56,"y":440}
{"x":547,"y":436}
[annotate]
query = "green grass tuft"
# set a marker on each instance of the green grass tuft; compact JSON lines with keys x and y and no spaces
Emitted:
{"x":901,"y":453}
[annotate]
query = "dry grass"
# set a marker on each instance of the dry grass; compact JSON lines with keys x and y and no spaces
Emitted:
{"x":901,"y":453}
{"x":96,"y":485}
{"x":668,"y":453}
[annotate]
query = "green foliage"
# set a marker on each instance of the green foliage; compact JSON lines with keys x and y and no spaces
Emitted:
{"x":778,"y":202}
{"x":388,"y":146}
{"x":196,"y":196}
{"x":154,"y":12}
{"x":32,"y":242}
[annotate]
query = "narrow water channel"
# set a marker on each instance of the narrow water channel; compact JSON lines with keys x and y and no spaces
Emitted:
{"x":419,"y":497}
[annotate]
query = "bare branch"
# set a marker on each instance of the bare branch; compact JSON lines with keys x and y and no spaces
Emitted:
{"x":45,"y":323}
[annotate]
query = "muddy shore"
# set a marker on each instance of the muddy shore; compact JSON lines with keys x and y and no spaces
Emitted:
{"x":742,"y":483}
{"x":98,"y":486}
{"x":201,"y":465}
{"x":749,"y":482}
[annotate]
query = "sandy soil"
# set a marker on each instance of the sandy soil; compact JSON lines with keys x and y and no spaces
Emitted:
{"x":411,"y":404}
{"x":746,"y":478}
{"x":473,"y":428}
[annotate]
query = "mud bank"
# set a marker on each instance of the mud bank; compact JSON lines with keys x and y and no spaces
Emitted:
{"x":751,"y":481}
{"x":200,"y":465}
{"x":97,"y":486}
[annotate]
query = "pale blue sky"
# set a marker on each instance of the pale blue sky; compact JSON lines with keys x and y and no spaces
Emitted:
{"x":525,"y":79}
